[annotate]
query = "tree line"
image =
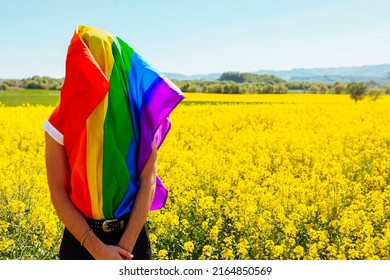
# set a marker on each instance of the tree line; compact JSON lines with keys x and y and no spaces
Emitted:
{"x":235,"y":83}
{"x":275,"y":85}
{"x":35,"y":82}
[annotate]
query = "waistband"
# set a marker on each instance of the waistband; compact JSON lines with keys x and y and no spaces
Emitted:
{"x":109,"y":224}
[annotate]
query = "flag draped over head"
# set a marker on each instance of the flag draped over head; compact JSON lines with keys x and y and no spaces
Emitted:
{"x":112,"y":105}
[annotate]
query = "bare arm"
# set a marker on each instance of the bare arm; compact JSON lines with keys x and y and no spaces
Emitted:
{"x":142,"y":202}
{"x":59,"y":182}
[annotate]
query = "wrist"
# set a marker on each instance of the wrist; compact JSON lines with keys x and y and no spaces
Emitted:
{"x":94,"y":245}
{"x":126,"y":245}
{"x":85,"y":236}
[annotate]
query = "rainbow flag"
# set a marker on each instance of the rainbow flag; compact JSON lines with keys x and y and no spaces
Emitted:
{"x":112,"y":105}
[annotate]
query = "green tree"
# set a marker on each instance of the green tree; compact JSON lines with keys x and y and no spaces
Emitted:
{"x":3,"y":86}
{"x":323,"y":88}
{"x":267,"y":89}
{"x":386,"y":89}
{"x":314,"y":89}
{"x":357,"y":91}
{"x":231,"y":76}
{"x":374,"y":93}
{"x":250,"y":78}
{"x":339,"y":88}
{"x":280,"y":88}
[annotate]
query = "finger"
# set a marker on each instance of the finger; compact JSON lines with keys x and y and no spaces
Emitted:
{"x":127,"y":257}
{"x":125,"y":254}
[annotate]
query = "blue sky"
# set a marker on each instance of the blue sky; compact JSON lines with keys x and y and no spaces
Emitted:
{"x":200,"y":37}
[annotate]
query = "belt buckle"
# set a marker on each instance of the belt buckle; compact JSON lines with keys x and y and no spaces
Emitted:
{"x":106,"y":225}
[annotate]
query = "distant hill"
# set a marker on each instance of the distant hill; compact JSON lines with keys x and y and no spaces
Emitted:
{"x":341,"y":79}
{"x":379,"y":73}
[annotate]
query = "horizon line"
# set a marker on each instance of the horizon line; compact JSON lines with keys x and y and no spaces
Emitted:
{"x":213,"y":73}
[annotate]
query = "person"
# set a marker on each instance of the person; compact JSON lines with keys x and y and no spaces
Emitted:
{"x":101,"y":147}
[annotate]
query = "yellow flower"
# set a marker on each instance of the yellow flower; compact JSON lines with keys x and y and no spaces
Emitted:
{"x":238,"y":226}
{"x":207,"y":251}
{"x":332,"y":251}
{"x":227,"y":254}
{"x":22,"y":224}
{"x":174,"y":221}
{"x":47,"y":243}
{"x":16,"y":206}
{"x":381,"y":244}
{"x":353,"y":254}
{"x":278,"y":251}
{"x":4,"y":226}
{"x":214,"y":233}
{"x":313,"y":252}
{"x":163,"y":254}
{"x":299,"y":251}
{"x":368,"y":229}
{"x":160,"y":219}
{"x":242,"y":248}
{"x":290,"y":229}
{"x":228,"y":240}
{"x":7,"y":246}
{"x":189,"y":247}
{"x":160,"y":231}
{"x":341,"y":257}
{"x":152,"y":238}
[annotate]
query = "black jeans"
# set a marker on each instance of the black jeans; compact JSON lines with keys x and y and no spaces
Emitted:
{"x":72,"y":250}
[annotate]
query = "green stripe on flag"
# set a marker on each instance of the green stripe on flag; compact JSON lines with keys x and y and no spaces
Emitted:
{"x":118,"y":132}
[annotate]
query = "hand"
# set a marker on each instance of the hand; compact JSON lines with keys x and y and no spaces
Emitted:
{"x":111,"y":252}
{"x":126,"y":249}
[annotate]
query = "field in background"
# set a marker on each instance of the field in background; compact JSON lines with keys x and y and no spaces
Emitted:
{"x":27,"y":96}
{"x":51,"y":97}
{"x":294,"y":98}
{"x":293,"y":176}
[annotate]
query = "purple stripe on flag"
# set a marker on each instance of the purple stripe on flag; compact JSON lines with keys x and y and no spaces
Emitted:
{"x":160,"y":100}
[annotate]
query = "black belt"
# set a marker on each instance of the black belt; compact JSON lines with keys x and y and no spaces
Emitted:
{"x":108,"y":225}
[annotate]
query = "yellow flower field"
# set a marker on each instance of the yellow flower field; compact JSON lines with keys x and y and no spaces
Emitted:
{"x":293,"y":176}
